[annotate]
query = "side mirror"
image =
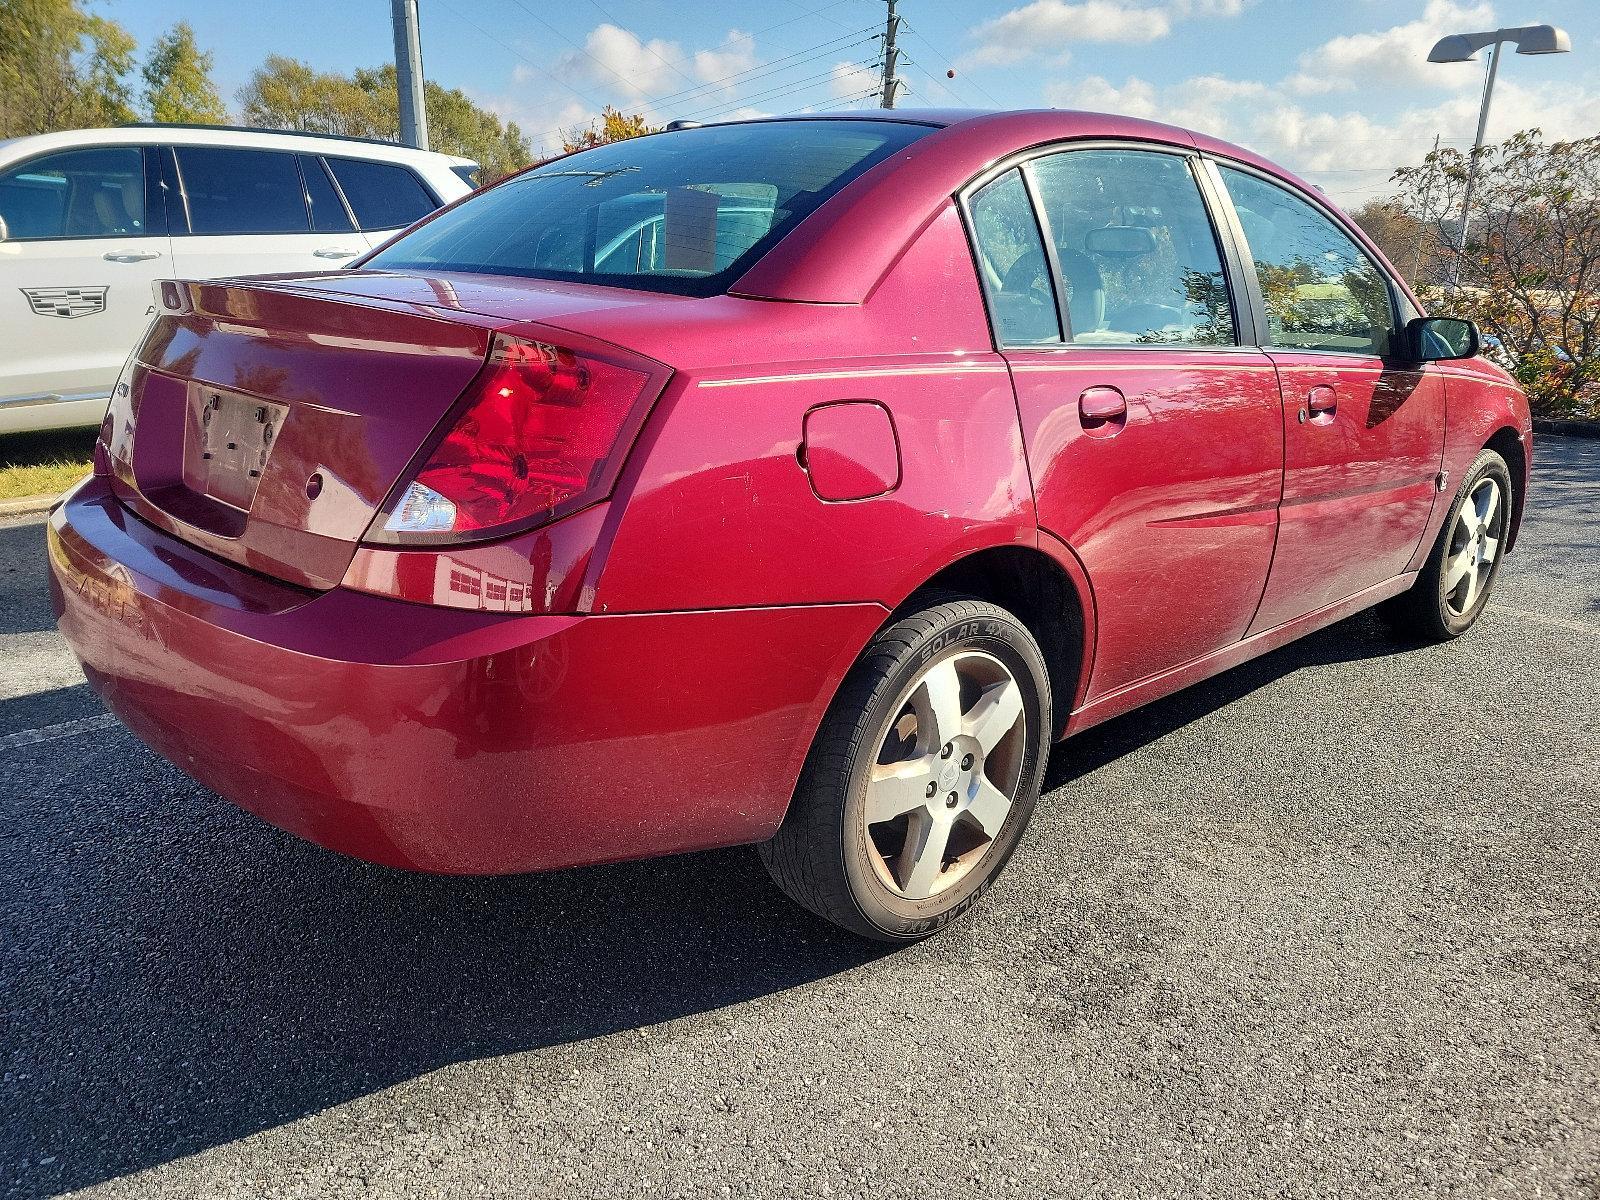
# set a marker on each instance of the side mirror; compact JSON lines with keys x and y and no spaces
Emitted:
{"x":1435,"y":339}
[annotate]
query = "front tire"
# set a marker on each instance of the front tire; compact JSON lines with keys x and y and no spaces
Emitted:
{"x":1453,"y":587}
{"x":923,"y":774}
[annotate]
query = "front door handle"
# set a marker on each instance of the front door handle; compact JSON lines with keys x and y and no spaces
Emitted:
{"x":1322,"y":403}
{"x":1102,"y":411}
{"x":333,"y":252}
{"x":130,"y":256}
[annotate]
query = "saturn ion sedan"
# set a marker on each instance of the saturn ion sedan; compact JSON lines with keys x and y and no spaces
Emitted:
{"x":795,"y":482}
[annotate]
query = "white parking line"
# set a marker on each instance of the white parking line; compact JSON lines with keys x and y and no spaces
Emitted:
{"x":66,"y":729}
{"x":1547,"y":619}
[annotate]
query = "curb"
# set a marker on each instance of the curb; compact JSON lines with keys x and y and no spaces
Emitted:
{"x":1577,"y":429}
{"x":26,"y":505}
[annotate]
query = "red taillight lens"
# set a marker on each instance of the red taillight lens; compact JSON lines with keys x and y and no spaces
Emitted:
{"x":540,"y":433}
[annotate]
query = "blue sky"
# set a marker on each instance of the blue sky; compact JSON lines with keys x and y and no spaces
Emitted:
{"x":1337,"y":89}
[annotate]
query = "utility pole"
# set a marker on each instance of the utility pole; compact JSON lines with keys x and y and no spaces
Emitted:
{"x":891,"y":55}
{"x":408,"y":73}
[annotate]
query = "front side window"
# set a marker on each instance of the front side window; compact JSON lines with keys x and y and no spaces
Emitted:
{"x":87,"y":193}
{"x":1137,"y":253}
{"x":382,"y":195}
{"x":687,"y":211}
{"x":1321,"y":290}
{"x":242,"y":191}
{"x":1012,"y":263}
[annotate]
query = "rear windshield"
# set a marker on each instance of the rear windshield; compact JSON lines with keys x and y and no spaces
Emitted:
{"x":687,"y":211}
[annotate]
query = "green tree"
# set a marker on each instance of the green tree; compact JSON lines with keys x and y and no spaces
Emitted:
{"x":1529,"y":271}
{"x":177,"y":81}
{"x":61,"y":67}
{"x":286,"y":94}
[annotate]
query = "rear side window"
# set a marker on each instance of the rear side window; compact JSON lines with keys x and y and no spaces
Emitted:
{"x":382,"y":195}
{"x":687,"y":211}
{"x":1136,"y":249}
{"x":327,"y":210}
{"x":1321,"y":290}
{"x":87,"y":193}
{"x":242,"y":191}
{"x":1011,"y":261}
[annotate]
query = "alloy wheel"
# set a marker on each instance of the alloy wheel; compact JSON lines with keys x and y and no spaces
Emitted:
{"x":1476,"y":534}
{"x":946,"y":774}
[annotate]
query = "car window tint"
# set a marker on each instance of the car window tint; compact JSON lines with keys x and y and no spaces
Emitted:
{"x":382,"y":195}
{"x":241,"y":191}
{"x":1012,"y":264}
{"x":95,"y":192}
{"x":327,"y":212}
{"x":685,"y":211}
{"x":1321,"y":290}
{"x":1136,"y":249}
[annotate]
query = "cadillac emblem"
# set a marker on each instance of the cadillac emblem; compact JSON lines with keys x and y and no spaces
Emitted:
{"x":66,"y":301}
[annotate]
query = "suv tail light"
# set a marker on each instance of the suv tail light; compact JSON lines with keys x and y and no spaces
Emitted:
{"x":540,"y":432}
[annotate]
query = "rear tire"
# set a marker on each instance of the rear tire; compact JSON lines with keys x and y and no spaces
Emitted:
{"x":923,"y":774}
{"x":1454,"y":585}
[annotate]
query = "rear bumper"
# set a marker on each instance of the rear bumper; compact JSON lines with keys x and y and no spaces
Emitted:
{"x":439,"y":739}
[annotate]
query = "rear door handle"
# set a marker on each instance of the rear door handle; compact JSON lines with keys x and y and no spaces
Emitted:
{"x":334,"y":252}
{"x":130,"y":256}
{"x":1102,"y":411}
{"x":1322,"y":402}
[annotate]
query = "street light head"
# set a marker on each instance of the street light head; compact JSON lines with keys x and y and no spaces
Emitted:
{"x":1457,"y":47}
{"x":1543,"y":39}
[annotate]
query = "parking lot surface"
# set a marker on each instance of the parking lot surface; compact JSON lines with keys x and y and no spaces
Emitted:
{"x":1324,"y":926}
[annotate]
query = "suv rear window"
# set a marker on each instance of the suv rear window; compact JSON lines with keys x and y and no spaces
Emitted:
{"x":687,"y":211}
{"x":382,"y":195}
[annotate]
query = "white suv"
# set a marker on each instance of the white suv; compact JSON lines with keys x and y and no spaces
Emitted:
{"x":89,"y":219}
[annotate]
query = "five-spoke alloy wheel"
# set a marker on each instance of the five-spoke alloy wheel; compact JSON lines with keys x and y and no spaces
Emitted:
{"x":1453,"y":585}
{"x":923,"y":774}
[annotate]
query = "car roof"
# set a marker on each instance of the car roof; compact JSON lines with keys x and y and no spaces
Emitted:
{"x":840,"y":251}
{"x":225,"y":135}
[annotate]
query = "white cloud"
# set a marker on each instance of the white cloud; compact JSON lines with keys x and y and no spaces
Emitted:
{"x":1394,"y":56}
{"x":851,"y":79}
{"x":1049,"y":25}
{"x":737,"y":53}
{"x":1350,"y":151}
{"x":618,"y":58}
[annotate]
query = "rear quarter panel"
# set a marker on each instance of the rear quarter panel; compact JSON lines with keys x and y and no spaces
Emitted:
{"x":719,"y":511}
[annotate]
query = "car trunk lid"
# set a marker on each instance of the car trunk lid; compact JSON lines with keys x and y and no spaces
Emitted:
{"x":267,"y":424}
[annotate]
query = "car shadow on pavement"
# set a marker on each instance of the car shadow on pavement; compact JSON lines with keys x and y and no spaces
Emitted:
{"x":179,"y":975}
{"x":1362,"y":636}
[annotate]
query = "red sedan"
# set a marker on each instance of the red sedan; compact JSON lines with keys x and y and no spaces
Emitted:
{"x":795,"y":481}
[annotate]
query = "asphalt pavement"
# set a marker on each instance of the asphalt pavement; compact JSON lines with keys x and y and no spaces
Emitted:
{"x":1326,"y":926}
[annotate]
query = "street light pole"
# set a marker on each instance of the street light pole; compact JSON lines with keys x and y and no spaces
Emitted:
{"x":408,"y":73}
{"x":1477,"y":147}
{"x":1462,"y":47}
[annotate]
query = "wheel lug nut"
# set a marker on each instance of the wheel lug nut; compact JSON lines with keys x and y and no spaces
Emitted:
{"x":950,"y":800}
{"x":966,"y":762}
{"x":947,"y":751}
{"x":932,"y":788}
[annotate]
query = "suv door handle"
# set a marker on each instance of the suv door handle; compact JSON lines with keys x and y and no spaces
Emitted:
{"x":130,"y":256}
{"x":334,"y":252}
{"x":1102,"y":411}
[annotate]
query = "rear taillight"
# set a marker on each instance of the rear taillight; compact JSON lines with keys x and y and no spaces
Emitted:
{"x":540,"y":433}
